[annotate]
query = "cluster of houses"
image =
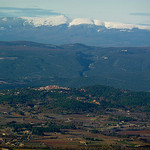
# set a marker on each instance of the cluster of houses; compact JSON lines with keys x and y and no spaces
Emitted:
{"x":52,"y":87}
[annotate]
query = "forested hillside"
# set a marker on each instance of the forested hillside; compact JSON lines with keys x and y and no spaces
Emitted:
{"x":88,"y":99}
{"x":24,"y":64}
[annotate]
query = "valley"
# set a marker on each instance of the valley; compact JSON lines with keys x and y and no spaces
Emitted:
{"x":74,"y":75}
{"x":53,"y":97}
{"x":54,"y":117}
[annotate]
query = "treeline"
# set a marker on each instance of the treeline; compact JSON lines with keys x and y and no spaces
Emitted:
{"x":40,"y":130}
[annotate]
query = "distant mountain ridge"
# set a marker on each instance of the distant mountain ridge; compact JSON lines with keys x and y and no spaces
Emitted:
{"x":62,"y":30}
{"x":25,"y":63}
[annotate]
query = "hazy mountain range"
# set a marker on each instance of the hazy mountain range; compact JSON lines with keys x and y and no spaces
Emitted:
{"x":62,"y":30}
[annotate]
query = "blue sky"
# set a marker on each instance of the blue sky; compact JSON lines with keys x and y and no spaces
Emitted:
{"x":126,"y":11}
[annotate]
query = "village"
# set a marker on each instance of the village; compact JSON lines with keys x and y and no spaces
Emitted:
{"x":34,"y":126}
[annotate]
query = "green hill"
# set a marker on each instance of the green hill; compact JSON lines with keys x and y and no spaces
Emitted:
{"x":81,"y":100}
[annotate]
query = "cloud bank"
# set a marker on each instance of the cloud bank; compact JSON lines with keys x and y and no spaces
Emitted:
{"x":140,"y":14}
{"x":25,"y":12}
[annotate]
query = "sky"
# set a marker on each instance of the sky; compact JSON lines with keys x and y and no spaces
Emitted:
{"x":125,"y":11}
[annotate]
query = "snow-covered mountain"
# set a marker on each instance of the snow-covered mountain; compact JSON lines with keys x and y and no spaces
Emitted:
{"x":49,"y":21}
{"x":63,"y":30}
{"x":59,"y":20}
